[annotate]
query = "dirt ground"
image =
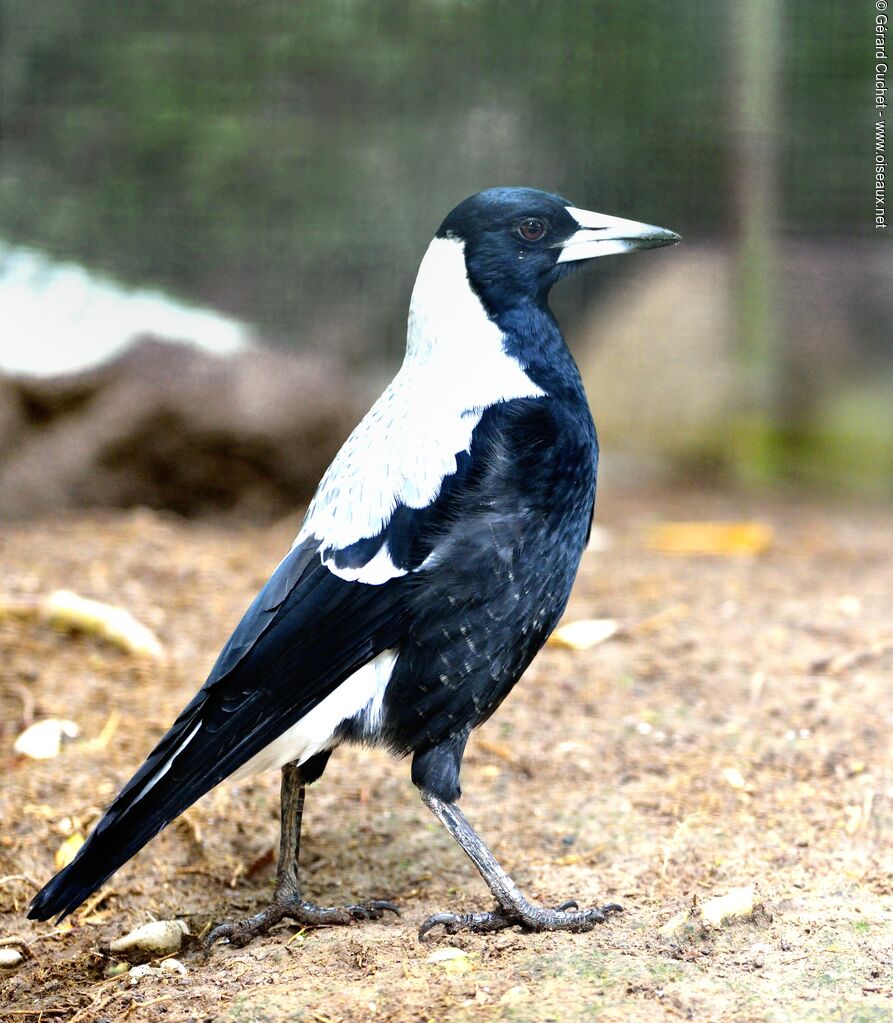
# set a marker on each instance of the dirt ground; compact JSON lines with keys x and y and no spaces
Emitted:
{"x":736,"y":730}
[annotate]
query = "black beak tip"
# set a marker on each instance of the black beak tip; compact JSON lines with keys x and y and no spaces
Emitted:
{"x":658,"y":238}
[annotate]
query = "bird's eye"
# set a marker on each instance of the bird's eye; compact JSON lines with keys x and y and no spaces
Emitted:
{"x":532,"y":229}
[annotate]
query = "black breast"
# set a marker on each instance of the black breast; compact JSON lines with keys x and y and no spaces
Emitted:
{"x":506,"y":545}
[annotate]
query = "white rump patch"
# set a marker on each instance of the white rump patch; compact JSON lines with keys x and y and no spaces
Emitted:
{"x":455,"y":367}
{"x":360,"y":694}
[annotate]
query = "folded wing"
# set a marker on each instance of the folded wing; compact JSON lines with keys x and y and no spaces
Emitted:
{"x":305,"y":633}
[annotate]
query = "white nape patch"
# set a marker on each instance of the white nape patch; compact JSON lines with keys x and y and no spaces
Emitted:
{"x":602,"y":235}
{"x":167,"y":764}
{"x":376,"y":571}
{"x":455,"y":367}
{"x":359,"y":695}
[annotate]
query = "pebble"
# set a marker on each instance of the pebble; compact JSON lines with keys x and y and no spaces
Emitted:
{"x":137,"y":973}
{"x":174,"y":966}
{"x":10,"y":958}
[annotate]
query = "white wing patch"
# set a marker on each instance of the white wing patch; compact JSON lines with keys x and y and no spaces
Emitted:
{"x":360,"y":694}
{"x":168,"y":763}
{"x":375,"y":572}
{"x":455,"y":368}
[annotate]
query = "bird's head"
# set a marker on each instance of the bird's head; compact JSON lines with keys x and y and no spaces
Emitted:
{"x":518,"y":242}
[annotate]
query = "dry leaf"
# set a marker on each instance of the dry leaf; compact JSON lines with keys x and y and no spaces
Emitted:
{"x":721,"y":538}
{"x":737,"y":904}
{"x":43,"y":739}
{"x":452,"y":960}
{"x":732,"y":776}
{"x":584,"y":633}
{"x":114,"y":624}
{"x":442,"y":955}
{"x":68,"y":850}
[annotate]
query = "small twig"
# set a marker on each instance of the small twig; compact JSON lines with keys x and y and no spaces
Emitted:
{"x":106,"y":735}
{"x":89,"y":907}
{"x":673,"y":613}
{"x":142,"y":1005}
{"x":9,"y":878}
{"x":18,"y":943}
{"x":498,"y":749}
{"x":189,"y":826}
{"x":836,"y":664}
{"x":27,"y":700}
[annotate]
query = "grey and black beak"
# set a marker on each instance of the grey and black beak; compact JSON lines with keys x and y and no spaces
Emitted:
{"x":601,"y":235}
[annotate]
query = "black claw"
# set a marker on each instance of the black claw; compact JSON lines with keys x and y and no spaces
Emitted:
{"x":449,"y":921}
{"x":385,"y":905}
{"x":373,"y":910}
{"x":533,"y":920}
{"x":225,"y":930}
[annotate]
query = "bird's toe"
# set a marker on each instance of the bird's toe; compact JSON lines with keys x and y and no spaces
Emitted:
{"x":565,"y":917}
{"x":375,"y":909}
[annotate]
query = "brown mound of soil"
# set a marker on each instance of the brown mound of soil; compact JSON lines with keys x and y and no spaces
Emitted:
{"x":168,"y":426}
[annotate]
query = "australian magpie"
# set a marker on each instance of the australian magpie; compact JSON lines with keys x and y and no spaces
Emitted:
{"x":435,"y":559}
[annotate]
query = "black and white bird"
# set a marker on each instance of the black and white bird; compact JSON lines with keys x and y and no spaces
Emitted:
{"x":434,"y":561}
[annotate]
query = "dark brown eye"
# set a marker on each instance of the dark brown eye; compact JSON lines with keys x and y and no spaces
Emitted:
{"x":532,"y":229}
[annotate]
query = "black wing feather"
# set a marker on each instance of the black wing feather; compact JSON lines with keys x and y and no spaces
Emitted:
{"x":305,"y":632}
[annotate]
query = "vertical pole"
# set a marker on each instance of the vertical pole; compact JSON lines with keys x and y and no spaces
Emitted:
{"x":756,"y":28}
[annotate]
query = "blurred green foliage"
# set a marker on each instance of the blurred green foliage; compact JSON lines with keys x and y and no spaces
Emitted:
{"x":273,"y":157}
{"x":288,"y":160}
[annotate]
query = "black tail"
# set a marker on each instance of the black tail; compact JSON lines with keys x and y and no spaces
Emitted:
{"x":97,"y":860}
{"x":150,"y":800}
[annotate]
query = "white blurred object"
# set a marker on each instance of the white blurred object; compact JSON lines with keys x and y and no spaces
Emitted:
{"x":599,"y":538}
{"x":157,"y":938}
{"x":59,"y":318}
{"x":584,"y":633}
{"x":114,"y":624}
{"x":43,"y":739}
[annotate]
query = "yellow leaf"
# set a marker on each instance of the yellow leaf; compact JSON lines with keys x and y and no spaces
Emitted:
{"x":718,"y":538}
{"x":583,"y":634}
{"x":115,"y":625}
{"x":68,"y":850}
{"x":453,"y":960}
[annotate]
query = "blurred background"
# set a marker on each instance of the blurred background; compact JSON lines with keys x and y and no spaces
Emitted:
{"x":261,"y":180}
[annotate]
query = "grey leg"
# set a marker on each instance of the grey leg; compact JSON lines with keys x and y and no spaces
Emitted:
{"x":287,"y":901}
{"x":512,"y":907}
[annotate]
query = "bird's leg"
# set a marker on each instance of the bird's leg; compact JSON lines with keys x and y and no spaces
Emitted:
{"x":287,"y":901}
{"x":512,"y":908}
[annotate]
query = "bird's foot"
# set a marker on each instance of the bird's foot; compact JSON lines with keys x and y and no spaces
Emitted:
{"x":307,"y":914}
{"x":566,"y":917}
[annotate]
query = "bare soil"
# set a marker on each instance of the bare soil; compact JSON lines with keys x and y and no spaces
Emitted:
{"x":736,"y":730}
